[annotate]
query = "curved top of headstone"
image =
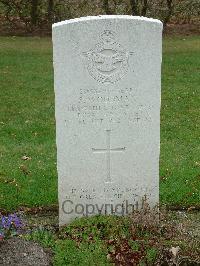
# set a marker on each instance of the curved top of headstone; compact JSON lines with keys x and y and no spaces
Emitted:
{"x":102,"y":17}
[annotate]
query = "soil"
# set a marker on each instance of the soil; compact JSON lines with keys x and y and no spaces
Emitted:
{"x":19,"y":252}
{"x":182,"y":29}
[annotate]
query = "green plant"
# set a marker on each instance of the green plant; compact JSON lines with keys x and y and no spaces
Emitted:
{"x":46,"y":238}
{"x":134,"y":245}
{"x":151,"y":255}
{"x":10,"y":225}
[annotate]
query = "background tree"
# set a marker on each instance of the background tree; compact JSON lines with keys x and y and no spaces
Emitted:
{"x":106,"y":7}
{"x":139,"y":7}
{"x":169,"y":12}
{"x":50,"y":11}
{"x":38,"y":15}
{"x":34,"y":12}
{"x":134,"y":7}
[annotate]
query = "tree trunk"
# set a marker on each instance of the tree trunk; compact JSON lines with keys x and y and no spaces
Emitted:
{"x":169,"y":12}
{"x":144,"y":8}
{"x":50,"y":11}
{"x":134,"y":7}
{"x":34,"y":12}
{"x":106,"y":7}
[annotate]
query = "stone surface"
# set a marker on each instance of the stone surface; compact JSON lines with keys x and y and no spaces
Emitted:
{"x":107,"y":72}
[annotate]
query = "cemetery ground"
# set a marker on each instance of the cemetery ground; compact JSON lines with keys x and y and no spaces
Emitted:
{"x":28,"y":176}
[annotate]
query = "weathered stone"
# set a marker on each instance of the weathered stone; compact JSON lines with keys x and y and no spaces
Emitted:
{"x":107,"y":86}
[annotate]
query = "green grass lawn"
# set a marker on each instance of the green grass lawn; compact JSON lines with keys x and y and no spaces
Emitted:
{"x":27,"y":124}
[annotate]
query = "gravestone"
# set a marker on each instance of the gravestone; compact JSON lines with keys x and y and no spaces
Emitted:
{"x":107,"y":73}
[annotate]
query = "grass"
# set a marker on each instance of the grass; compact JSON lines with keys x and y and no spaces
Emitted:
{"x":180,"y":123}
{"x":27,"y":124}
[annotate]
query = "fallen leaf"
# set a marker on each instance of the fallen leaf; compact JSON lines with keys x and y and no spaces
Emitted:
{"x":108,"y":257}
{"x":191,"y":209}
{"x":175,"y":250}
{"x":24,"y":169}
{"x":25,"y":158}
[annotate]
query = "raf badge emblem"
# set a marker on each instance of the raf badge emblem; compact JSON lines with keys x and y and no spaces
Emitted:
{"x":108,"y":61}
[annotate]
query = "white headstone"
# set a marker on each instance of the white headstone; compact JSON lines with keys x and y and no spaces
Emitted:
{"x":107,"y":72}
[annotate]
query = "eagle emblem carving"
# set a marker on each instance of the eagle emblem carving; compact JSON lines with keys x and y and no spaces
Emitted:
{"x":108,"y":61}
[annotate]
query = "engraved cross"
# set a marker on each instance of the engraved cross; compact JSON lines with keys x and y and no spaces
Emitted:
{"x":108,"y":151}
